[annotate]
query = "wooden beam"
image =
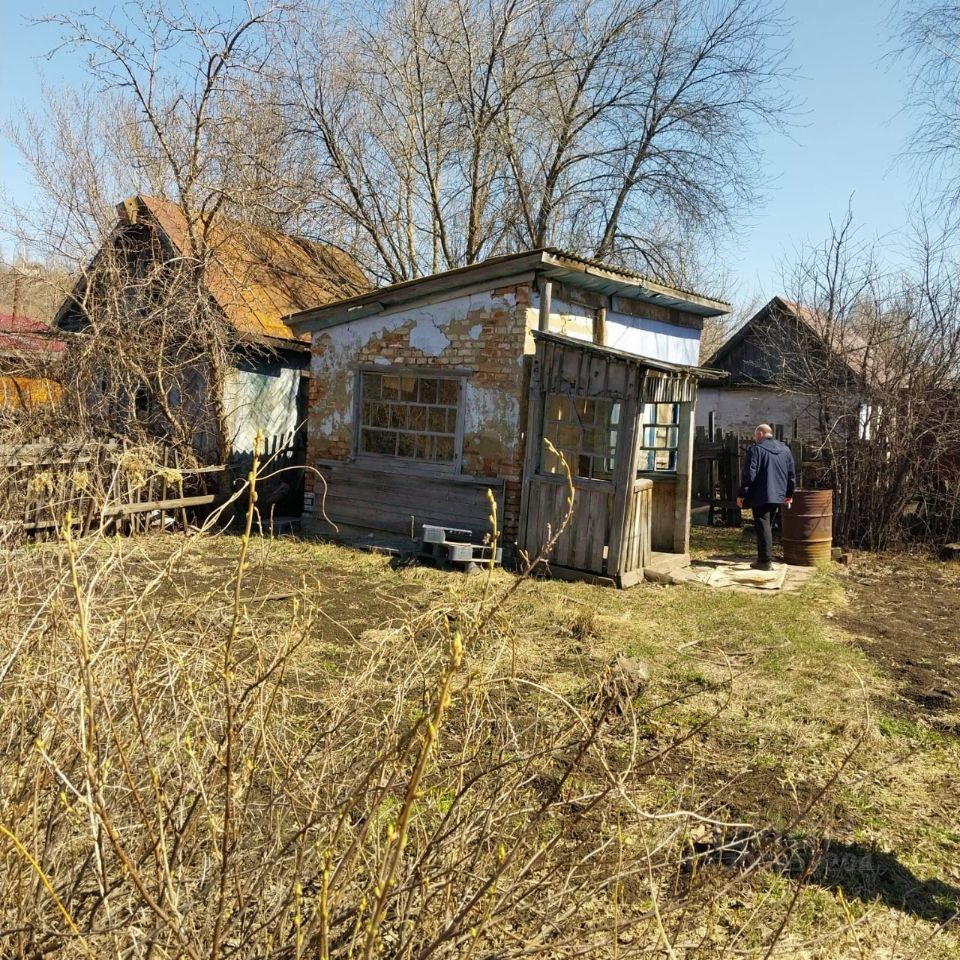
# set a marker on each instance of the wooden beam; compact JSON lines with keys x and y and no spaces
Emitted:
{"x":546,"y":297}
{"x":532,"y":438}
{"x":625,"y":473}
{"x":600,"y":327}
{"x":684,"y":481}
{"x":575,"y":576}
{"x":124,"y":509}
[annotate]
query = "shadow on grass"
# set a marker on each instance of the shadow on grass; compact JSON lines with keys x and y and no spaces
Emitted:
{"x":856,"y":870}
{"x":869,"y":875}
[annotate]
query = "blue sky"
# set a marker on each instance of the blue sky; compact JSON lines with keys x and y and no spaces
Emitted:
{"x":846,"y":144}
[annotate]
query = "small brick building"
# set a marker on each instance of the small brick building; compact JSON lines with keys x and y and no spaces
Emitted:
{"x":422,"y":394}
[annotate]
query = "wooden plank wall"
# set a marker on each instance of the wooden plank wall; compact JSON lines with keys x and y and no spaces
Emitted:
{"x":572,"y":370}
{"x":582,"y":545}
{"x":637,"y":545}
{"x":400,"y":503}
{"x":646,"y":511}
{"x":662,"y":514}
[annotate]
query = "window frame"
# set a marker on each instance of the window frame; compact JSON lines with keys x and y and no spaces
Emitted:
{"x":547,"y":422}
{"x":395,"y":462}
{"x":642,"y":448}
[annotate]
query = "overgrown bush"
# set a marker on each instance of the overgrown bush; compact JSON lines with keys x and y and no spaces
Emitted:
{"x":184,"y":775}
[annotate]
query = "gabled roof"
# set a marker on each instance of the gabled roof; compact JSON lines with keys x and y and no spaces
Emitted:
{"x":548,"y":262}
{"x":845,"y":344}
{"x":26,"y":335}
{"x":256,"y":276}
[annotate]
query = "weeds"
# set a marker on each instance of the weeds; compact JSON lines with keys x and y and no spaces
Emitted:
{"x":189,"y":769}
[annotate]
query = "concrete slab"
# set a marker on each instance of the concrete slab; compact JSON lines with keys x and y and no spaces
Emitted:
{"x":663,"y":565}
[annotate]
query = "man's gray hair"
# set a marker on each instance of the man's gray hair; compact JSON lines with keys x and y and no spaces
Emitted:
{"x":765,"y":429}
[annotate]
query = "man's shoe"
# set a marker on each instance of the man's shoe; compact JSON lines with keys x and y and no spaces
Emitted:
{"x":761,"y":565}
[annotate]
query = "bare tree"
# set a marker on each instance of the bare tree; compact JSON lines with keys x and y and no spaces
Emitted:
{"x":879,"y":355}
{"x":174,"y":107}
{"x":930,"y":44}
{"x":450,"y":130}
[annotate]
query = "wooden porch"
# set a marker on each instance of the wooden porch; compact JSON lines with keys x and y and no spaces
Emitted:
{"x":594,"y":402}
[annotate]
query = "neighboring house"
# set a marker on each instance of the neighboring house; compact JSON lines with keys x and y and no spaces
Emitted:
{"x":771,"y":362}
{"x":428,"y":393}
{"x":29,"y":357}
{"x":253,"y":279}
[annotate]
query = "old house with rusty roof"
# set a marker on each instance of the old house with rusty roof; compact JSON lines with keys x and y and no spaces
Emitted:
{"x":772,"y":364}
{"x":431,"y":395}
{"x":252,"y":277}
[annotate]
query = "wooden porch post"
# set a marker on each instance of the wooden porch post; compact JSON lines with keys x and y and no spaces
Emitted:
{"x":546,"y":298}
{"x":625,"y":472}
{"x":532,"y":441}
{"x":681,"y":515}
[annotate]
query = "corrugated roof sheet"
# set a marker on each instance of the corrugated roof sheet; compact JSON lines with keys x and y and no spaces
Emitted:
{"x":24,"y":334}
{"x":549,"y":261}
{"x":632,"y":274}
{"x":258,"y":276}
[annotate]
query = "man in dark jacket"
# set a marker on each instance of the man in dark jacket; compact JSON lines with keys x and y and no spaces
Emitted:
{"x":769,"y":478}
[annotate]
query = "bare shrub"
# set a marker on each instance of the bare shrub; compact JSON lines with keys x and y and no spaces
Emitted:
{"x":184,"y":774}
{"x":878,"y":354}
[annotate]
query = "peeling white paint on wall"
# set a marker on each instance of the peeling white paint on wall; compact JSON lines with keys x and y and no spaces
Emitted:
{"x":342,"y":343}
{"x":428,"y":338}
{"x":637,"y":335}
{"x":483,"y":406}
{"x":571,"y":320}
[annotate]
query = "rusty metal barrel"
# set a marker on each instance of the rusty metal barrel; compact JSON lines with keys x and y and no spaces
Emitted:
{"x":807,"y":528}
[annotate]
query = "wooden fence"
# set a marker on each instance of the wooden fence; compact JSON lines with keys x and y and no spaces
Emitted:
{"x":100,"y":485}
{"x":717,"y":462}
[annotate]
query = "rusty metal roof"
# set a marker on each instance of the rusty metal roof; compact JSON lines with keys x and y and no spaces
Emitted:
{"x":854,"y":351}
{"x":258,"y":276}
{"x":26,"y":335}
{"x":643,"y":279}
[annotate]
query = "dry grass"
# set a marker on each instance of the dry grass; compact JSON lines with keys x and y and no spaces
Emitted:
{"x":300,"y":761}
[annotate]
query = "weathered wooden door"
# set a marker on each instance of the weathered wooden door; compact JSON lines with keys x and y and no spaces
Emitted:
{"x":596,"y":521}
{"x":578,"y":541}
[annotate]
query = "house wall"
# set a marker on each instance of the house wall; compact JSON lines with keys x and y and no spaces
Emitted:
{"x":487,"y":332}
{"x":740,"y":409}
{"x":640,"y":335}
{"x":482,"y":332}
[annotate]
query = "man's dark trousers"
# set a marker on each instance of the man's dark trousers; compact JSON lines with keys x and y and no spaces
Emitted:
{"x":763,"y":520}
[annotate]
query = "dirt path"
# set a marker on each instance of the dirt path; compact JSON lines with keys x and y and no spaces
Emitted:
{"x":906,"y":616}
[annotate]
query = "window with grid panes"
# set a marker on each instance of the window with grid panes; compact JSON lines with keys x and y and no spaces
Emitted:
{"x":584,"y":430}
{"x":659,"y":436}
{"x":409,"y":415}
